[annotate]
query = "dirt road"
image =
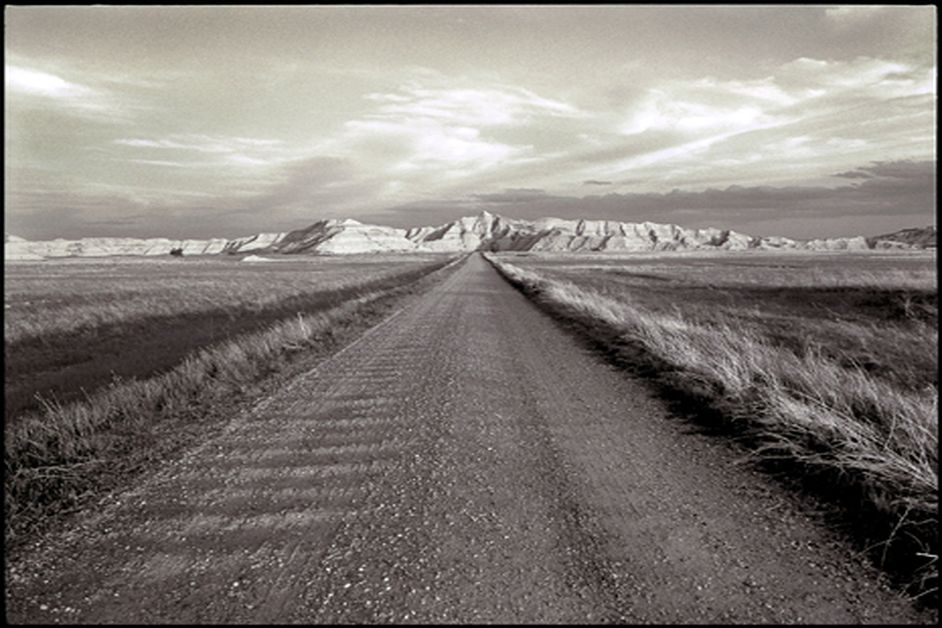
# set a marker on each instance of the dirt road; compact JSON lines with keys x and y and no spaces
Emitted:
{"x":465,"y":461}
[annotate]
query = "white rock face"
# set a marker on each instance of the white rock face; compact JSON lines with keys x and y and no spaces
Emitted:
{"x":736,"y":241}
{"x":340,"y":237}
{"x":252,"y":243}
{"x":777,"y":242}
{"x":837,"y":244}
{"x":105,"y":247}
{"x":473,"y":232}
{"x":18,"y":250}
{"x":484,"y":231}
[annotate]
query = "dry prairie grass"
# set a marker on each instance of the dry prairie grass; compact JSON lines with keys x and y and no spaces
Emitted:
{"x":866,"y":311}
{"x":68,"y":453}
{"x":76,"y":325}
{"x":55,"y":297}
{"x":797,"y":393}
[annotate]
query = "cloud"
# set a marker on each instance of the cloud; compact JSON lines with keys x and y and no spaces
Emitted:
{"x":31,"y":88}
{"x":921,"y":171}
{"x":863,"y":76}
{"x":31,"y":208}
{"x":904,"y":190}
{"x":167,"y":163}
{"x":207,"y":152}
{"x":444,"y":131}
{"x":298,"y":193}
{"x":38,"y":83}
{"x":854,"y":174}
{"x":512,"y":196}
{"x":697,"y":107}
{"x":303,"y":190}
{"x":409,"y":145}
{"x":805,"y":118}
{"x":203,"y":143}
{"x":594,"y":182}
{"x":483,"y":107}
{"x":799,"y":89}
{"x":851,"y":14}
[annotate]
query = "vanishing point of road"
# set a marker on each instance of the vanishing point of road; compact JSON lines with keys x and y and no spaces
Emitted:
{"x":467,"y":460}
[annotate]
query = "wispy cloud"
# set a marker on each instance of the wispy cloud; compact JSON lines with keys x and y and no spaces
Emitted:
{"x":167,"y":163}
{"x":203,"y":143}
{"x":807,"y":115}
{"x":34,"y":82}
{"x":29,"y":87}
{"x":444,"y":130}
{"x":410,"y":145}
{"x":467,"y":106}
{"x":205,"y":151}
{"x":806,"y":118}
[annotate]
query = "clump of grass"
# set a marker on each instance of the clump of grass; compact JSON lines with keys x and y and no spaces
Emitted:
{"x":835,"y":421}
{"x":55,"y":458}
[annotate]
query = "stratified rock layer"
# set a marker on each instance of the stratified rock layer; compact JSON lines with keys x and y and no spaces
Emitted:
{"x":483,"y":231}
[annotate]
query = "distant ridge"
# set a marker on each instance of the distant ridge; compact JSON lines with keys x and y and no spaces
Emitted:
{"x":484,"y":231}
{"x":919,"y":237}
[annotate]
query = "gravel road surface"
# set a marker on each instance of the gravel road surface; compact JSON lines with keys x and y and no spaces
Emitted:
{"x":466,"y":460}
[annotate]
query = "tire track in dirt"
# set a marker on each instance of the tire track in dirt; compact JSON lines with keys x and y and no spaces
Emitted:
{"x":464,"y":461}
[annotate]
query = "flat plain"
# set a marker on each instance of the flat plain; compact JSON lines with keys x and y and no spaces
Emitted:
{"x":471,"y":459}
{"x":871,"y":310}
{"x":71,"y":326}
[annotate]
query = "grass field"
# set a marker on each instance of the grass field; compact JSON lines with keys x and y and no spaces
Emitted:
{"x":73,"y":326}
{"x":825,"y":365}
{"x":63,"y":296}
{"x":189,"y":368}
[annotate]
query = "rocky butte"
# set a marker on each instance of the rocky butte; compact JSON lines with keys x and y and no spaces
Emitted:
{"x":484,"y":231}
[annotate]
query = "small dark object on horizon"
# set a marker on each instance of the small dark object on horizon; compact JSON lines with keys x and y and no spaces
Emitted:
{"x":177,"y":252}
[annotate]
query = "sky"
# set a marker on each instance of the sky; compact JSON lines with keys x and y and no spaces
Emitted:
{"x":801,"y":121}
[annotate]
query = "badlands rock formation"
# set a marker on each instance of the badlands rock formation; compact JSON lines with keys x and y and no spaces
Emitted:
{"x":102,"y":247}
{"x":922,"y":238}
{"x":483,"y":231}
{"x":343,"y":236}
{"x":14,"y":249}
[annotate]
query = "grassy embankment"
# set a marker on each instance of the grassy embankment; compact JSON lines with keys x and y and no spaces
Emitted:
{"x":824,"y":367}
{"x":60,"y":457}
